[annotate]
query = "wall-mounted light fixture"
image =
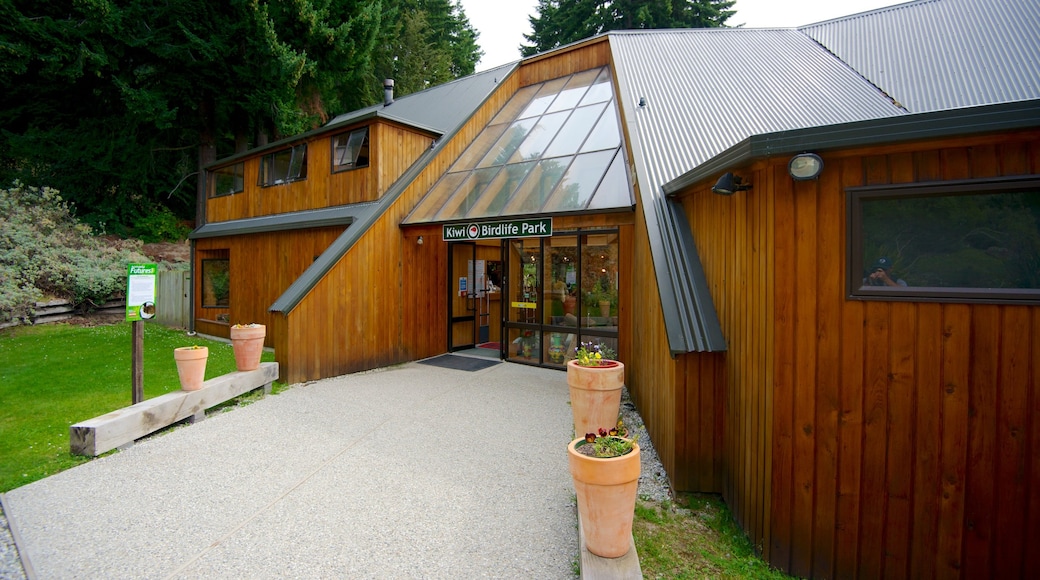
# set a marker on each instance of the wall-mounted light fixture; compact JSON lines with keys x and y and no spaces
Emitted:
{"x":729,"y":184}
{"x":805,"y":166}
{"x":419,"y":241}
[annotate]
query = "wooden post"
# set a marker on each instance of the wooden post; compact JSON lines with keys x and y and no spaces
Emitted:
{"x":137,"y":364}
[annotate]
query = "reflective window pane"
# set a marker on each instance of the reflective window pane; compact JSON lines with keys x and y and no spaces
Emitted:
{"x":539,"y":137}
{"x":574,"y":91}
{"x":580,"y":181}
{"x":614,"y":190}
{"x":467,"y":195}
{"x":599,"y":280}
{"x":479,"y":148}
{"x":538,"y":187}
{"x":573,"y":134}
{"x":601,"y":90}
{"x":501,"y":189}
{"x":508,"y":142}
{"x":437,"y":197}
{"x":606,"y":135}
{"x":517,"y":103}
{"x":546,"y":95}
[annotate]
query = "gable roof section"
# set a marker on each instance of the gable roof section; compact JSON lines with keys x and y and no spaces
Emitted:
{"x":932,"y":55}
{"x":706,"y":90}
{"x":449,"y":106}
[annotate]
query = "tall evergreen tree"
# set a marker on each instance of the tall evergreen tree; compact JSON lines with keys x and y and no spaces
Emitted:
{"x":119,"y":104}
{"x":561,"y":22}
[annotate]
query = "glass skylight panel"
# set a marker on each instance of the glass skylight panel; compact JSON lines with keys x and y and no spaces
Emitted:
{"x":614,"y":190}
{"x":580,"y":182}
{"x":467,"y":194}
{"x":500,"y":190}
{"x":544,"y":98}
{"x":606,"y":135}
{"x":516,"y":104}
{"x":539,"y":137}
{"x":539,"y":185}
{"x":437,"y":197}
{"x":554,"y":147}
{"x":508,"y":142}
{"x":575,"y":90}
{"x":600,"y":90}
{"x":479,"y":148}
{"x":570,"y":138}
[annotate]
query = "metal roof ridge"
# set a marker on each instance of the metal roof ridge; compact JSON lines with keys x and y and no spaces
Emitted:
{"x":847,"y":17}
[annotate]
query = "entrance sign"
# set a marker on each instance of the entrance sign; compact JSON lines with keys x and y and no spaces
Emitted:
{"x":140,"y":291}
{"x":529,"y":228}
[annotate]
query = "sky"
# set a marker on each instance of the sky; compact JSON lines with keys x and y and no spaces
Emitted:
{"x":502,"y":24}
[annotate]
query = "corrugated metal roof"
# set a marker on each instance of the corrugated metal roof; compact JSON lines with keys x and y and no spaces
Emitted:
{"x":932,"y":55}
{"x":440,"y":108}
{"x":705,"y":91}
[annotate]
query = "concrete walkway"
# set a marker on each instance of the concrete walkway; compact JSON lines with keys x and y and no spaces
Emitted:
{"x":413,"y":471}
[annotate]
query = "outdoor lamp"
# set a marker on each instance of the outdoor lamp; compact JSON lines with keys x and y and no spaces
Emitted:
{"x":805,"y":166}
{"x":729,"y":184}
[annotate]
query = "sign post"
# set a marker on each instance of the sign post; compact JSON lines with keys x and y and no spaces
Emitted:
{"x":140,"y":306}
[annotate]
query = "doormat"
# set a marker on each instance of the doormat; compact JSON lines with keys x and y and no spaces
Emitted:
{"x":491,"y":345}
{"x":460,"y":363}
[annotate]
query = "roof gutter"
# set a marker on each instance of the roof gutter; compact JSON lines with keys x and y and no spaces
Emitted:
{"x":934,"y":125}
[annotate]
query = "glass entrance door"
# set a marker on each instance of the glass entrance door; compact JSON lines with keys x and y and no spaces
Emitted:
{"x":463,"y":324}
{"x":560,"y":291}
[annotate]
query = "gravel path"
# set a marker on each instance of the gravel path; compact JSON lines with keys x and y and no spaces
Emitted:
{"x":653,"y":485}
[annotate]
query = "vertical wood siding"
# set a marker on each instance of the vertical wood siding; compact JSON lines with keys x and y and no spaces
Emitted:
{"x":869,"y":439}
{"x":393,"y":149}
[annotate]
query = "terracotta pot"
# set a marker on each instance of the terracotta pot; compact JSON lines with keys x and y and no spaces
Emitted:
{"x":606,"y":490}
{"x":604,"y":308}
{"x":595,"y":395}
{"x":248,"y":342}
{"x":191,"y":366}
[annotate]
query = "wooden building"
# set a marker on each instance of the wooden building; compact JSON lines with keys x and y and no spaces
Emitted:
{"x":713,"y":205}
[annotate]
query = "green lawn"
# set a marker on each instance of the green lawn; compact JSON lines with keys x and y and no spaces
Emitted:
{"x":53,"y":376}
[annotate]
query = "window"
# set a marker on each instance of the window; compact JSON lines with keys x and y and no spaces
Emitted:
{"x":227,"y":180}
{"x":350,"y":150}
{"x":216,"y":283}
{"x":284,"y":166}
{"x":949,"y":241}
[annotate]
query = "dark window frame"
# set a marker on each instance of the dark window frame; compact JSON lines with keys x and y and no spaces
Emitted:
{"x":854,"y":196}
{"x":206,"y":262}
{"x":237,"y":174}
{"x":295,"y":169}
{"x":363,"y":155}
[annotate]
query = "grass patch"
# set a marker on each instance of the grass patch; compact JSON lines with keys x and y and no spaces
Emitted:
{"x":52,"y":376}
{"x":695,"y":537}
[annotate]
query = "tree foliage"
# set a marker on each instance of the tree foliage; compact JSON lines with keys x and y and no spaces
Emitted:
{"x":561,"y":22}
{"x":118,"y":103}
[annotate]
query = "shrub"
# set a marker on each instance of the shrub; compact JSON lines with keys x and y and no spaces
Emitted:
{"x":44,"y":251}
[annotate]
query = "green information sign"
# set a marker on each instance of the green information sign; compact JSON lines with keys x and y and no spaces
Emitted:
{"x":529,"y":228}
{"x":140,"y":291}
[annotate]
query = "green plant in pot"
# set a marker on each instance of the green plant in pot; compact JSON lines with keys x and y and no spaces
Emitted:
{"x":605,"y":468}
{"x":595,"y":380}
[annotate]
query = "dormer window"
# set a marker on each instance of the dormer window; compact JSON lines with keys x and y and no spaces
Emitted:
{"x":284,"y":166}
{"x":350,"y":150}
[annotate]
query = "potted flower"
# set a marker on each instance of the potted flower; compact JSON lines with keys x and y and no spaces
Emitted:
{"x":191,"y":366}
{"x":595,"y":382}
{"x":248,"y":342}
{"x":605,"y":469}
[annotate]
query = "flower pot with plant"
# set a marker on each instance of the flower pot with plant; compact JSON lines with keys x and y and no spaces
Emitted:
{"x":595,"y":382}
{"x":191,"y":366}
{"x":248,"y":342}
{"x":605,"y":469}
